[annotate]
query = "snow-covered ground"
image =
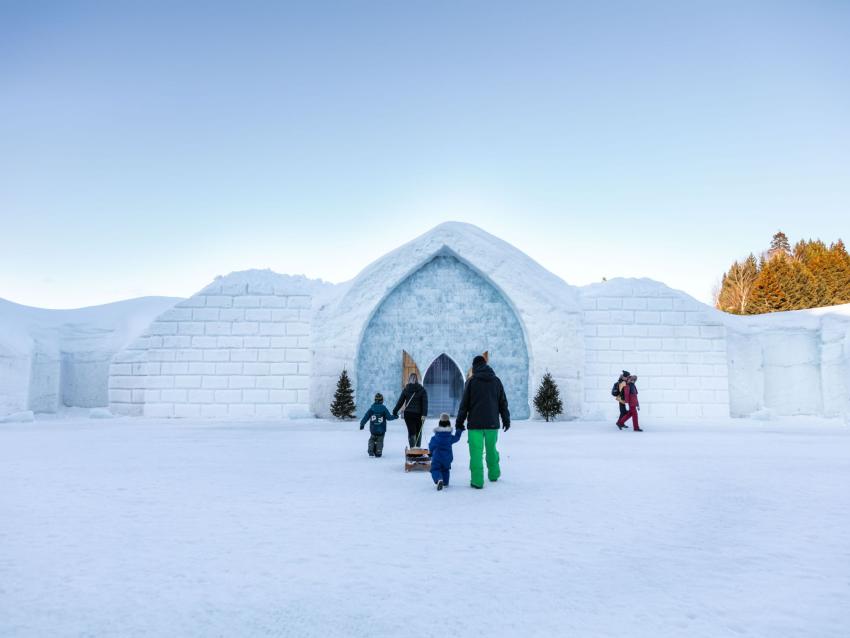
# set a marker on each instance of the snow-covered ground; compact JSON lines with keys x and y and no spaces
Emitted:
{"x":122,"y":527}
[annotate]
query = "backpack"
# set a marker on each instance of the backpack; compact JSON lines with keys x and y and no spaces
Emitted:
{"x":615,"y":389}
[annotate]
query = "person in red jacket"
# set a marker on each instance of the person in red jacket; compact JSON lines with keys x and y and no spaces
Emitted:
{"x":631,"y":395}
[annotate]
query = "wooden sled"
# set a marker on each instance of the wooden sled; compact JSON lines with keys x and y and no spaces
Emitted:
{"x":417,"y":459}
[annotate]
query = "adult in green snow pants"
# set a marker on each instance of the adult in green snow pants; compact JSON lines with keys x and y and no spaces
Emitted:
{"x":483,"y":403}
{"x":483,"y":442}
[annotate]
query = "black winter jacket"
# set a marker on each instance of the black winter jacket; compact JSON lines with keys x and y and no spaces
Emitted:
{"x":419,"y":404}
{"x":483,"y":401}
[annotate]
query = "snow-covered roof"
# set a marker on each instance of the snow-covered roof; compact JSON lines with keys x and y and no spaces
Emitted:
{"x":265,"y":281}
{"x":503,"y":265}
{"x":633,"y":287}
{"x":809,"y":319}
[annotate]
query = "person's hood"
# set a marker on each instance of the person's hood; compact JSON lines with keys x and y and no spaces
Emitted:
{"x":375,"y":405}
{"x":414,"y":386}
{"x":443,"y":428}
{"x":484,"y":372}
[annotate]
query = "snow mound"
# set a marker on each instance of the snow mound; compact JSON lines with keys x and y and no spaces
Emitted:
{"x":26,"y":416}
{"x":763,"y":414}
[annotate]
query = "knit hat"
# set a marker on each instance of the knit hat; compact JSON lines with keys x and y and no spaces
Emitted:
{"x":478,"y":360}
{"x":626,"y":373}
{"x":379,"y":398}
{"x":444,"y":419}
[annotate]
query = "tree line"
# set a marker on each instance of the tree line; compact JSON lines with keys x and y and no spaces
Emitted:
{"x":809,"y":275}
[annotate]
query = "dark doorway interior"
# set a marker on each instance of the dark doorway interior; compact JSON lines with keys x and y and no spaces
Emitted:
{"x":444,"y":383}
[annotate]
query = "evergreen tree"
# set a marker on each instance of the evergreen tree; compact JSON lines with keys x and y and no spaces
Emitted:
{"x":800,"y":286}
{"x":808,"y":276}
{"x":809,"y":251}
{"x":837,"y":274}
{"x":547,"y":401}
{"x":779,"y":245}
{"x":769,"y":294}
{"x":343,"y":404}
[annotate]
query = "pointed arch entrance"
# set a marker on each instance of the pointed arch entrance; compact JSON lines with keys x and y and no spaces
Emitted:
{"x":443,"y":307}
{"x":444,"y":383}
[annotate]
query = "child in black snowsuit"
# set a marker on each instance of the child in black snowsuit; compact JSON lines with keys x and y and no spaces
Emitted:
{"x":377,"y":416}
{"x":440,"y":448}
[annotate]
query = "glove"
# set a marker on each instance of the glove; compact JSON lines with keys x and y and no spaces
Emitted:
{"x":459,"y":428}
{"x":362,"y":426}
{"x":638,"y":408}
{"x":506,"y":427}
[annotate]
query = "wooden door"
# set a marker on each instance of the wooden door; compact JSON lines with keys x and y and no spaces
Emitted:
{"x":408,"y":365}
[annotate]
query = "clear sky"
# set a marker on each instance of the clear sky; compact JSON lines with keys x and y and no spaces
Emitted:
{"x":146,"y":148}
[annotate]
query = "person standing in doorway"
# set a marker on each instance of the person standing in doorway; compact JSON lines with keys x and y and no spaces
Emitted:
{"x":414,"y":401}
{"x":483,"y":403}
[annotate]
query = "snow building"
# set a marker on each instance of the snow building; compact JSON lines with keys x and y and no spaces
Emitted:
{"x":259,"y":344}
{"x":265,"y":345}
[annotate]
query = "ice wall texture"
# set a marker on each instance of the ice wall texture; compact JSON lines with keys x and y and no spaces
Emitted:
{"x":55,"y":358}
{"x":790,"y":363}
{"x":444,"y":307}
{"x":547,"y":308}
{"x":238,"y":348}
{"x":675,"y":345}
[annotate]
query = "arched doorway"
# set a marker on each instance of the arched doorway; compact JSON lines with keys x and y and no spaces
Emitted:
{"x":444,"y":384}
{"x":443,"y":307}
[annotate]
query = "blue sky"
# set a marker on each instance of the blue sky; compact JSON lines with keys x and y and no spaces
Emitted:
{"x":146,"y":148}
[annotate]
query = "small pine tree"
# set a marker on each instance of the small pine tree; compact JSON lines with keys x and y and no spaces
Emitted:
{"x":547,"y":401}
{"x":343,"y":404}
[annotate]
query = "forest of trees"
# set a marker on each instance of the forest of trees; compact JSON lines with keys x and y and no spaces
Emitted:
{"x":809,"y":275}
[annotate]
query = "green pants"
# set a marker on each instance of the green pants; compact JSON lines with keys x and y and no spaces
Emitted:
{"x":479,"y":441}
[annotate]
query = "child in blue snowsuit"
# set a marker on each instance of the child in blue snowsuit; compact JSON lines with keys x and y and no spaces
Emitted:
{"x":377,"y":416}
{"x":440,"y":447}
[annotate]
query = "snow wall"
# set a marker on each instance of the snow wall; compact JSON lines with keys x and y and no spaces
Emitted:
{"x":548,"y":312}
{"x":443,"y":308}
{"x":790,"y":363}
{"x":676,"y":346}
{"x":55,"y":358}
{"x":261,"y":344}
{"x":239,"y":348}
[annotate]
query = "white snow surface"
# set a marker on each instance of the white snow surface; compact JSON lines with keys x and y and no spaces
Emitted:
{"x":132,"y":527}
